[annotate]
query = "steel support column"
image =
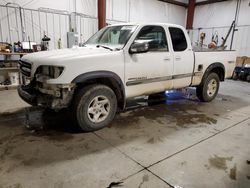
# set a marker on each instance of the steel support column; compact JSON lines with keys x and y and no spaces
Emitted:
{"x":101,"y":14}
{"x":190,"y":14}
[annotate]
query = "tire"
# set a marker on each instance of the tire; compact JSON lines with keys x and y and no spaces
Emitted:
{"x":208,"y":90}
{"x":94,"y":107}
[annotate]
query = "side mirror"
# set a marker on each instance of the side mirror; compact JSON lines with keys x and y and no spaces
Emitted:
{"x":139,"y":48}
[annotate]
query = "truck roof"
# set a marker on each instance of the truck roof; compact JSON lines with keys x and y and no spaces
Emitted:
{"x":148,"y":23}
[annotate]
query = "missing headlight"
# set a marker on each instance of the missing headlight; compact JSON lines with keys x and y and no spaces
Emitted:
{"x":52,"y":72}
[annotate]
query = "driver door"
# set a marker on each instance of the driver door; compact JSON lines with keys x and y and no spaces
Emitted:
{"x":151,"y":71}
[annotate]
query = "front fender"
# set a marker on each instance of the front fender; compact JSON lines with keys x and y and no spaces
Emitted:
{"x":114,"y":81}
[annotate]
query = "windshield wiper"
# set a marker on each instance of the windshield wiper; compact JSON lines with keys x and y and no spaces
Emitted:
{"x":106,"y":47}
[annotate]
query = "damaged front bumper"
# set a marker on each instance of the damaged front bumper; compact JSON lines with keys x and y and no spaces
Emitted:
{"x":56,"y":96}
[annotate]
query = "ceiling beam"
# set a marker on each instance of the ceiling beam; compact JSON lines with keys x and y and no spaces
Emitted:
{"x":208,"y":2}
{"x":175,"y":3}
{"x":196,"y":4}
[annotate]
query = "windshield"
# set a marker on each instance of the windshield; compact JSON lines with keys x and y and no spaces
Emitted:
{"x":114,"y":36}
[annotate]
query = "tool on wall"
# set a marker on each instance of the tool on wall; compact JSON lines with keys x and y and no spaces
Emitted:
{"x":59,"y":43}
{"x":224,"y":40}
{"x":199,"y":45}
{"x":45,"y":43}
{"x":198,"y":38}
{"x":214,"y":41}
{"x":202,"y":38}
{"x":235,"y":21}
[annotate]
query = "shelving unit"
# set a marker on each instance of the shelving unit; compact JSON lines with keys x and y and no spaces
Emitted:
{"x":9,"y":68}
{"x":7,"y":87}
{"x":12,"y":53}
{"x":5,"y":70}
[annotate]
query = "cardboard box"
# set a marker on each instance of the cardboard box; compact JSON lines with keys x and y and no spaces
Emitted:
{"x":241,"y":60}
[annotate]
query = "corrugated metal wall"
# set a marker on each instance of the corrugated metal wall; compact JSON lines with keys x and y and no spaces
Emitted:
{"x":145,"y":11}
{"x":55,"y":22}
{"x":217,"y":18}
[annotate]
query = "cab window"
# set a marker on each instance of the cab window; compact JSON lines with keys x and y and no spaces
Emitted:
{"x":155,"y":36}
{"x":178,"y":39}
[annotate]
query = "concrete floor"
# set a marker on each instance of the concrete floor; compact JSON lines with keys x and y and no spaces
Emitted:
{"x":181,"y":143}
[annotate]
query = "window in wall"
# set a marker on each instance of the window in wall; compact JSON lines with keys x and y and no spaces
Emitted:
{"x":155,"y":36}
{"x":178,"y":39}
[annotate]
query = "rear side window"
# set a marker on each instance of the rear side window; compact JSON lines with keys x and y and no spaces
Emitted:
{"x":178,"y":39}
{"x":155,"y":36}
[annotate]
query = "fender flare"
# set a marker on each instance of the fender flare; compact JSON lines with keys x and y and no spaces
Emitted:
{"x":213,"y":66}
{"x":116,"y":82}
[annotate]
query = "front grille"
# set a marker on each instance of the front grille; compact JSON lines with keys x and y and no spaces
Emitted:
{"x":25,"y":68}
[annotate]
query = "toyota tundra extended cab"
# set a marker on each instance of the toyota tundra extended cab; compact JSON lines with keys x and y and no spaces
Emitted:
{"x":117,"y":63}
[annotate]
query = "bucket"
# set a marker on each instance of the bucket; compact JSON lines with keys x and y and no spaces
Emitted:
{"x":14,"y":78}
{"x":2,"y":79}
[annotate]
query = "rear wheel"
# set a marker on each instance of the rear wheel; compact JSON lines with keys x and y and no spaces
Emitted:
{"x":94,"y":107}
{"x":208,"y":90}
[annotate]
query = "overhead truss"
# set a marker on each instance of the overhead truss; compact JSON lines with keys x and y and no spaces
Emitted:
{"x":187,"y":4}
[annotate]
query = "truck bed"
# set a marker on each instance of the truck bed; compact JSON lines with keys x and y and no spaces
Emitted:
{"x":205,"y":58}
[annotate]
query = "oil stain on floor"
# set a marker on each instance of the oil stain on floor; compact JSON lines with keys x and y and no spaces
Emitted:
{"x":183,"y":115}
{"x":233,"y":172}
{"x":145,"y":178}
{"x":219,"y":162}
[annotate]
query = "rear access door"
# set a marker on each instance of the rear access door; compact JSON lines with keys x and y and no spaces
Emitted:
{"x":183,"y":58}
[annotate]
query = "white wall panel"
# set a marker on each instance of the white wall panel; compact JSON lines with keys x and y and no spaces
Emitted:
{"x":244,"y":14}
{"x":156,"y":11}
{"x":56,"y":26}
{"x":88,"y":7}
{"x":117,"y":10}
{"x":35,"y":4}
{"x":145,"y":11}
{"x":218,"y":17}
{"x":214,"y":15}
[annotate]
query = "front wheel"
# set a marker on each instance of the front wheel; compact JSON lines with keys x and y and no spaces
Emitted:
{"x":208,"y":90}
{"x":94,"y":107}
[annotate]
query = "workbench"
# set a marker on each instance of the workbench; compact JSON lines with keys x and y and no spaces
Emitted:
{"x":9,"y":64}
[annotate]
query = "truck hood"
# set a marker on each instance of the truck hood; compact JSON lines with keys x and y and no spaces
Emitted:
{"x":62,"y":56}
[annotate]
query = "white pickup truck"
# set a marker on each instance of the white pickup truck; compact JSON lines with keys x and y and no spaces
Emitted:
{"x":117,"y":63}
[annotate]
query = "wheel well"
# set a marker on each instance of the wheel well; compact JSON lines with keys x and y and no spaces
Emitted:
{"x":219,"y":71}
{"x":110,"y":82}
{"x":217,"y":68}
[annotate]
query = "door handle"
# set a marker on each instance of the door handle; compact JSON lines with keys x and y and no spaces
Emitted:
{"x":167,"y":59}
{"x":178,"y":58}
